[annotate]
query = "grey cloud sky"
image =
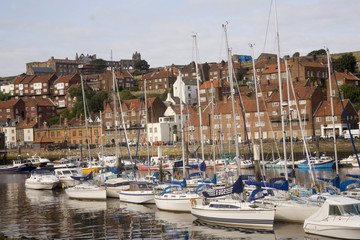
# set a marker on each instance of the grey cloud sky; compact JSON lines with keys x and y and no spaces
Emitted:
{"x":161,"y":30}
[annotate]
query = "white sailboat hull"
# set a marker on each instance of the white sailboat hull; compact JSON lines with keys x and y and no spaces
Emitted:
{"x":40,"y":185}
{"x":335,"y":230}
{"x":137,"y":196}
{"x":87,"y":192}
{"x":177,"y":203}
{"x":235,"y":217}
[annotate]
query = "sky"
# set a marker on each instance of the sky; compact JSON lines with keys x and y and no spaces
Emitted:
{"x":162,"y":30}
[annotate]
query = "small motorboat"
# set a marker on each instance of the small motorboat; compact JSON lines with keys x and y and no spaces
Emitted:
{"x":339,"y":217}
{"x":18,"y":166}
{"x":315,"y":162}
{"x":41,"y":179}
{"x":64,"y":175}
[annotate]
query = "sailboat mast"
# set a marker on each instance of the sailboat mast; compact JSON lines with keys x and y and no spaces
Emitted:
{"x":289,"y":113}
{"x":182,"y":125}
{"x":86,"y":120}
{"x":232,"y":90}
{"x":101,"y":136}
{"x":146,"y":125}
{"x":115,"y":113}
{"x":198,"y":91}
{"x":280,"y":89}
{"x":212,"y":124}
{"x":332,"y":110}
{"x":257,"y":106}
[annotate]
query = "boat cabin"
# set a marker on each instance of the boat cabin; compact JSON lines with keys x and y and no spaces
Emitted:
{"x":139,"y":186}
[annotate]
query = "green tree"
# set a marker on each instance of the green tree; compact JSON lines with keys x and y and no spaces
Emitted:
{"x":4,"y":96}
{"x":126,"y":94}
{"x":96,"y":102}
{"x":317,"y":52}
{"x":141,"y":65}
{"x":99,"y":64}
{"x":351,"y":92}
{"x":54,"y":120}
{"x":346,"y":61}
{"x":296,"y":54}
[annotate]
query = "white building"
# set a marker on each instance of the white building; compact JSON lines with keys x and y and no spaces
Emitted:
{"x":165,"y":129}
{"x":185,"y":88}
{"x":5,"y":88}
{"x":10,"y":134}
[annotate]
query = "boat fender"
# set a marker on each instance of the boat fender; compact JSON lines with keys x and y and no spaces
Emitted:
{"x":193,"y":202}
{"x":153,"y":190}
{"x":63,"y":186}
{"x":296,"y":192}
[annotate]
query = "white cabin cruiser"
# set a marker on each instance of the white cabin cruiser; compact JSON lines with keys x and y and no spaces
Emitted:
{"x":339,"y":217}
{"x":41,"y":179}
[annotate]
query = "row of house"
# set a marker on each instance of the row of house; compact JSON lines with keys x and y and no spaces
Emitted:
{"x":309,"y":107}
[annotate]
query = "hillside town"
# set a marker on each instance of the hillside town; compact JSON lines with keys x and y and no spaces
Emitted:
{"x":43,"y":107}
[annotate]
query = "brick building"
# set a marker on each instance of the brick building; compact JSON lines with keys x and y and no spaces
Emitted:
{"x":323,"y":118}
{"x":161,"y":79}
{"x":60,"y":88}
{"x":131,"y":111}
{"x":12,"y":109}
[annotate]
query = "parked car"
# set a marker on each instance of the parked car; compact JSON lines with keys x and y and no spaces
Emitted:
{"x":287,"y":139}
{"x":354,"y":132}
{"x":310,"y":138}
{"x":170,"y":143}
{"x":158,"y":143}
{"x":74,"y":146}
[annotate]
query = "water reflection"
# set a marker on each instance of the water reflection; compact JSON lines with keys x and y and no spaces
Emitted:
{"x":51,"y":214}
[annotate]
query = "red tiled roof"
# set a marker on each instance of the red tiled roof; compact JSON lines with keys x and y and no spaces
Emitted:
{"x":158,"y":74}
{"x":325,"y":108}
{"x":42,"y":79}
{"x":216,"y":83}
{"x":18,"y":79}
{"x":273,"y":68}
{"x":27,"y":79}
{"x":312,"y":64}
{"x":42,"y":102}
{"x":302,"y":93}
{"x":24,"y":124}
{"x":344,"y":76}
{"x":64,"y":79}
{"x":9,"y":103}
{"x":186,"y":109}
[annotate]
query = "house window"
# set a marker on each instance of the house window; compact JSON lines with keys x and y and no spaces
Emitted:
{"x":275,"y":104}
{"x":274,"y":113}
{"x":302,"y":102}
{"x":108,"y":115}
{"x":317,"y":132}
{"x":318,"y":119}
{"x":74,"y":133}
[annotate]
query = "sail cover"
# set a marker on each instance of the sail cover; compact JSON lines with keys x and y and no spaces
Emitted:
{"x":237,"y":187}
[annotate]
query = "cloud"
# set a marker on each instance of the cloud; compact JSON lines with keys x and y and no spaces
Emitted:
{"x":162,"y":30}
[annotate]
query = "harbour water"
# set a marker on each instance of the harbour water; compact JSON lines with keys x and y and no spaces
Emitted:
{"x":50,"y":214}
